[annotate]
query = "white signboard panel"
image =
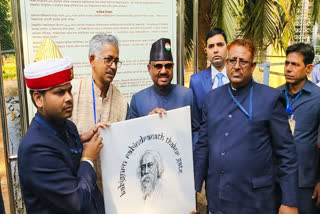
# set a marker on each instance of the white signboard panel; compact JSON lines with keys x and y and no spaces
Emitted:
{"x":71,"y":24}
{"x":147,"y":165}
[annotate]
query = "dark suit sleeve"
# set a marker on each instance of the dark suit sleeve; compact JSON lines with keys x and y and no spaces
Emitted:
{"x":194,"y":121}
{"x":193,"y":88}
{"x":318,"y":144}
{"x":285,"y":153}
{"x":201,"y":151}
{"x":133,"y":111}
{"x":47,"y":173}
{"x":318,"y":170}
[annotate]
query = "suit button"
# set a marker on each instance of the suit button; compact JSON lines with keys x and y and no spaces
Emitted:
{"x":222,"y":172}
{"x":226,"y":134}
{"x":230,"y":115}
{"x":222,"y":153}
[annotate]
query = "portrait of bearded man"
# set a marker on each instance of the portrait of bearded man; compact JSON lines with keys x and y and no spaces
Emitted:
{"x":149,"y":171}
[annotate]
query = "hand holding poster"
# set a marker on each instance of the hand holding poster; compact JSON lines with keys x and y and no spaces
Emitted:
{"x":147,"y":165}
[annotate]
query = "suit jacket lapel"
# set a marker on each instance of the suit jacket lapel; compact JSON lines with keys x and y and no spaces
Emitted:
{"x":208,"y":79}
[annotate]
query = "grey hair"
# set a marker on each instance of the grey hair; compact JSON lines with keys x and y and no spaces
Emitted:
{"x":97,"y":42}
{"x":157,"y":158}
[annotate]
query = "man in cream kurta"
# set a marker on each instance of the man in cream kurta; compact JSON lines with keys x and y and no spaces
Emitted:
{"x":112,"y":108}
{"x":95,"y":97}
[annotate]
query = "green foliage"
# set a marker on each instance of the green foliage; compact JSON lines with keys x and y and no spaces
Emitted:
{"x":9,"y":69}
{"x":264,"y":22}
{"x":9,"y":72}
{"x":261,"y":22}
{"x":315,"y":11}
{"x":268,"y":22}
{"x":287,"y":12}
{"x":224,"y":15}
{"x":5,"y":26}
{"x":188,"y":28}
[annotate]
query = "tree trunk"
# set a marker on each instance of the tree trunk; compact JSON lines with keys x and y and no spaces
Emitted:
{"x":203,"y":28}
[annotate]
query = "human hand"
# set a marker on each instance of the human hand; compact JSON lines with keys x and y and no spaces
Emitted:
{"x":93,"y":147}
{"x":287,"y":210}
{"x":85,"y":137}
{"x":316,"y":194}
{"x":158,"y":111}
{"x":193,"y":212}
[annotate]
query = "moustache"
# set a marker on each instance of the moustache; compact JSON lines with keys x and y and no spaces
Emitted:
{"x":111,"y":72}
{"x":146,"y":178}
{"x":69,"y":104}
{"x":163,"y":75}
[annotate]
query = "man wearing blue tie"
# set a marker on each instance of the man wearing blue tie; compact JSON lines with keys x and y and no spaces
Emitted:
{"x":215,"y":75}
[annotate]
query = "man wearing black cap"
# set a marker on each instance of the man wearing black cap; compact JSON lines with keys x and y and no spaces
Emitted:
{"x":163,"y":95}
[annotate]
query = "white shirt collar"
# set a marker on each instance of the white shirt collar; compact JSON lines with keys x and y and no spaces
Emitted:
{"x":214,"y":72}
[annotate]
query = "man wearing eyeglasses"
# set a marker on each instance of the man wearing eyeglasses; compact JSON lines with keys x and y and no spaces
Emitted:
{"x":303,"y":110}
{"x":215,"y":75}
{"x":163,"y":95}
{"x":245,"y":143}
{"x":95,"y":97}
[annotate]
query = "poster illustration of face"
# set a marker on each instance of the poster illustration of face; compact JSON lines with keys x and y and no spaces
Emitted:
{"x":147,"y":165}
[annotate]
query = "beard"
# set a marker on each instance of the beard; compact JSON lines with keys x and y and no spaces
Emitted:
{"x":147,"y":186}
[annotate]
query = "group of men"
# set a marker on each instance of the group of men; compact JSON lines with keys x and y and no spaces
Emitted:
{"x":246,"y":152}
{"x":57,"y":173}
{"x":251,"y":159}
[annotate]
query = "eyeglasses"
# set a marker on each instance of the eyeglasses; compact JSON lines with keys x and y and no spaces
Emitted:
{"x":159,"y":66}
{"x":242,"y":63}
{"x":109,"y":60}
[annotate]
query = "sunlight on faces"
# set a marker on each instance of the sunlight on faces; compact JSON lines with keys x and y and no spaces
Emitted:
{"x":103,"y":72}
{"x":56,"y":103}
{"x":241,"y":72}
{"x":161,"y":77}
{"x":295,"y":70}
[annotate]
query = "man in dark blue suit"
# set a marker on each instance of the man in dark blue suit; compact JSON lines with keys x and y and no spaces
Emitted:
{"x":56,"y":173}
{"x":245,"y":143}
{"x":215,"y":75}
{"x":303,"y":109}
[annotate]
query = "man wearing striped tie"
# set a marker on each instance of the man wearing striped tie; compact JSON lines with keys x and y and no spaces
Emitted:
{"x":215,"y":75}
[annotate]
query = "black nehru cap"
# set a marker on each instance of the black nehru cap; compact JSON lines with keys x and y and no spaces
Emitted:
{"x":161,"y":50}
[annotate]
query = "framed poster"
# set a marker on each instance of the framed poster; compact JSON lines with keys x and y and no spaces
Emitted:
{"x":147,"y":165}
